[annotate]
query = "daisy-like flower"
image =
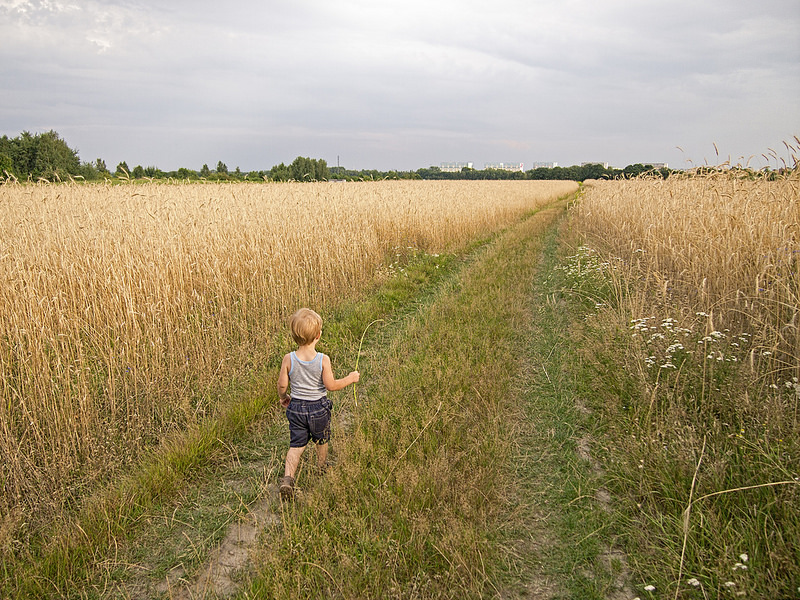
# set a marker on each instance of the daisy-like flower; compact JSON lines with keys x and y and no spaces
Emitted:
{"x":693,"y":582}
{"x":649,"y":588}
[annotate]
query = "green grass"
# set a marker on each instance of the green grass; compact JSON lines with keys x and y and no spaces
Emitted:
{"x":571,"y":551}
{"x":430,"y":486}
{"x":691,"y":448}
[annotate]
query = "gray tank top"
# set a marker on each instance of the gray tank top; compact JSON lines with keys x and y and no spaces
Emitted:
{"x":305,"y":378}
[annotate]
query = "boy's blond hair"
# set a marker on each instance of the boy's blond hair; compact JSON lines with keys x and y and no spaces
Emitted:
{"x":306,"y":326}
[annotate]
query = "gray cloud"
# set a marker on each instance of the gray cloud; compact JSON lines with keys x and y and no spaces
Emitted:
{"x":402,"y":84}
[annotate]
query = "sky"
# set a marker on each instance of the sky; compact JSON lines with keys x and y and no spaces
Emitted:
{"x":371,"y":84}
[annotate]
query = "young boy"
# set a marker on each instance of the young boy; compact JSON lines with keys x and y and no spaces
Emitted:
{"x":309,"y":375}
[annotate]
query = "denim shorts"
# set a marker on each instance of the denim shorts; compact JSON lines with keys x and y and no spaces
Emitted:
{"x":309,"y":420}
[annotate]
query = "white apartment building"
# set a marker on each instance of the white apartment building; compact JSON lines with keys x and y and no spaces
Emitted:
{"x":505,"y":166}
{"x":454,"y":167}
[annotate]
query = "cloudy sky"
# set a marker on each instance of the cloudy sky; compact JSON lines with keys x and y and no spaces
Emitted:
{"x":404,"y":84}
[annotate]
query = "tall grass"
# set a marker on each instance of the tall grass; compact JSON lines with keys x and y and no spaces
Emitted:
{"x":123,"y":309}
{"x":698,"y":298}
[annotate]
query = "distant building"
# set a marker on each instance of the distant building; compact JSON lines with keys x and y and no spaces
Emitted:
{"x":596,"y":162}
{"x":454,"y":167}
{"x":504,"y":166}
{"x":657,"y":165}
{"x":544,"y":165}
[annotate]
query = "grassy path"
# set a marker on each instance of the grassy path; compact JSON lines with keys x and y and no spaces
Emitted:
{"x":460,"y":474}
{"x":462,"y":468}
{"x":565,"y":530}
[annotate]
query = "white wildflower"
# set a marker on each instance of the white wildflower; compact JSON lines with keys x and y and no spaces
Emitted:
{"x":674,"y":348}
{"x":649,"y":588}
{"x":693,"y":582}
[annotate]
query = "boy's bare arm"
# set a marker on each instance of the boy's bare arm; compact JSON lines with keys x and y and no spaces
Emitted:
{"x":283,"y":381}
{"x":331,"y":383}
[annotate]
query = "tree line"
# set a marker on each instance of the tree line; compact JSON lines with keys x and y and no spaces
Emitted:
{"x":46,"y":156}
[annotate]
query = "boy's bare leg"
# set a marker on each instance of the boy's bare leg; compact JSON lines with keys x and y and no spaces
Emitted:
{"x":322,"y":454}
{"x":292,"y":460}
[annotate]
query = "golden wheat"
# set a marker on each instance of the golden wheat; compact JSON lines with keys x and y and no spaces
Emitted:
{"x":702,"y":274}
{"x":121,"y":306}
{"x":729,"y":244}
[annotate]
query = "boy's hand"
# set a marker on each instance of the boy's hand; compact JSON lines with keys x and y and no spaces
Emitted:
{"x":354,"y":376}
{"x":286,"y":401}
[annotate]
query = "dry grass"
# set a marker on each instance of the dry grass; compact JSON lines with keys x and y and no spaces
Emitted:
{"x":698,"y":369}
{"x":124,"y":308}
{"x":724,"y":246}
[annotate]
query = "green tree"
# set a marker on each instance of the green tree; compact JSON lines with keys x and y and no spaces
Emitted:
{"x":138,"y":172}
{"x":591,"y":171}
{"x":635,"y":170}
{"x":53,"y":158}
{"x":24,"y":156}
{"x":222,"y":168}
{"x":89,"y":172}
{"x":37,"y":156}
{"x":205,"y":171}
{"x":153,"y":172}
{"x":6,"y":156}
{"x":280,"y":173}
{"x":309,"y":169}
{"x":123,"y":170}
{"x":301,"y":169}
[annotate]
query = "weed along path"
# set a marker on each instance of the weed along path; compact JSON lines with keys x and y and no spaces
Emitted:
{"x":461,"y":468}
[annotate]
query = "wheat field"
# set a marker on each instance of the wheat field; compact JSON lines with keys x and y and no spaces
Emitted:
{"x":122,"y":308}
{"x":704,"y":400}
{"x":726,"y":245}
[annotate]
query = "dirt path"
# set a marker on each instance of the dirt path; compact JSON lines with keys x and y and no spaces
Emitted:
{"x":552,"y":447}
{"x":226,"y":567}
{"x":218,"y":577}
